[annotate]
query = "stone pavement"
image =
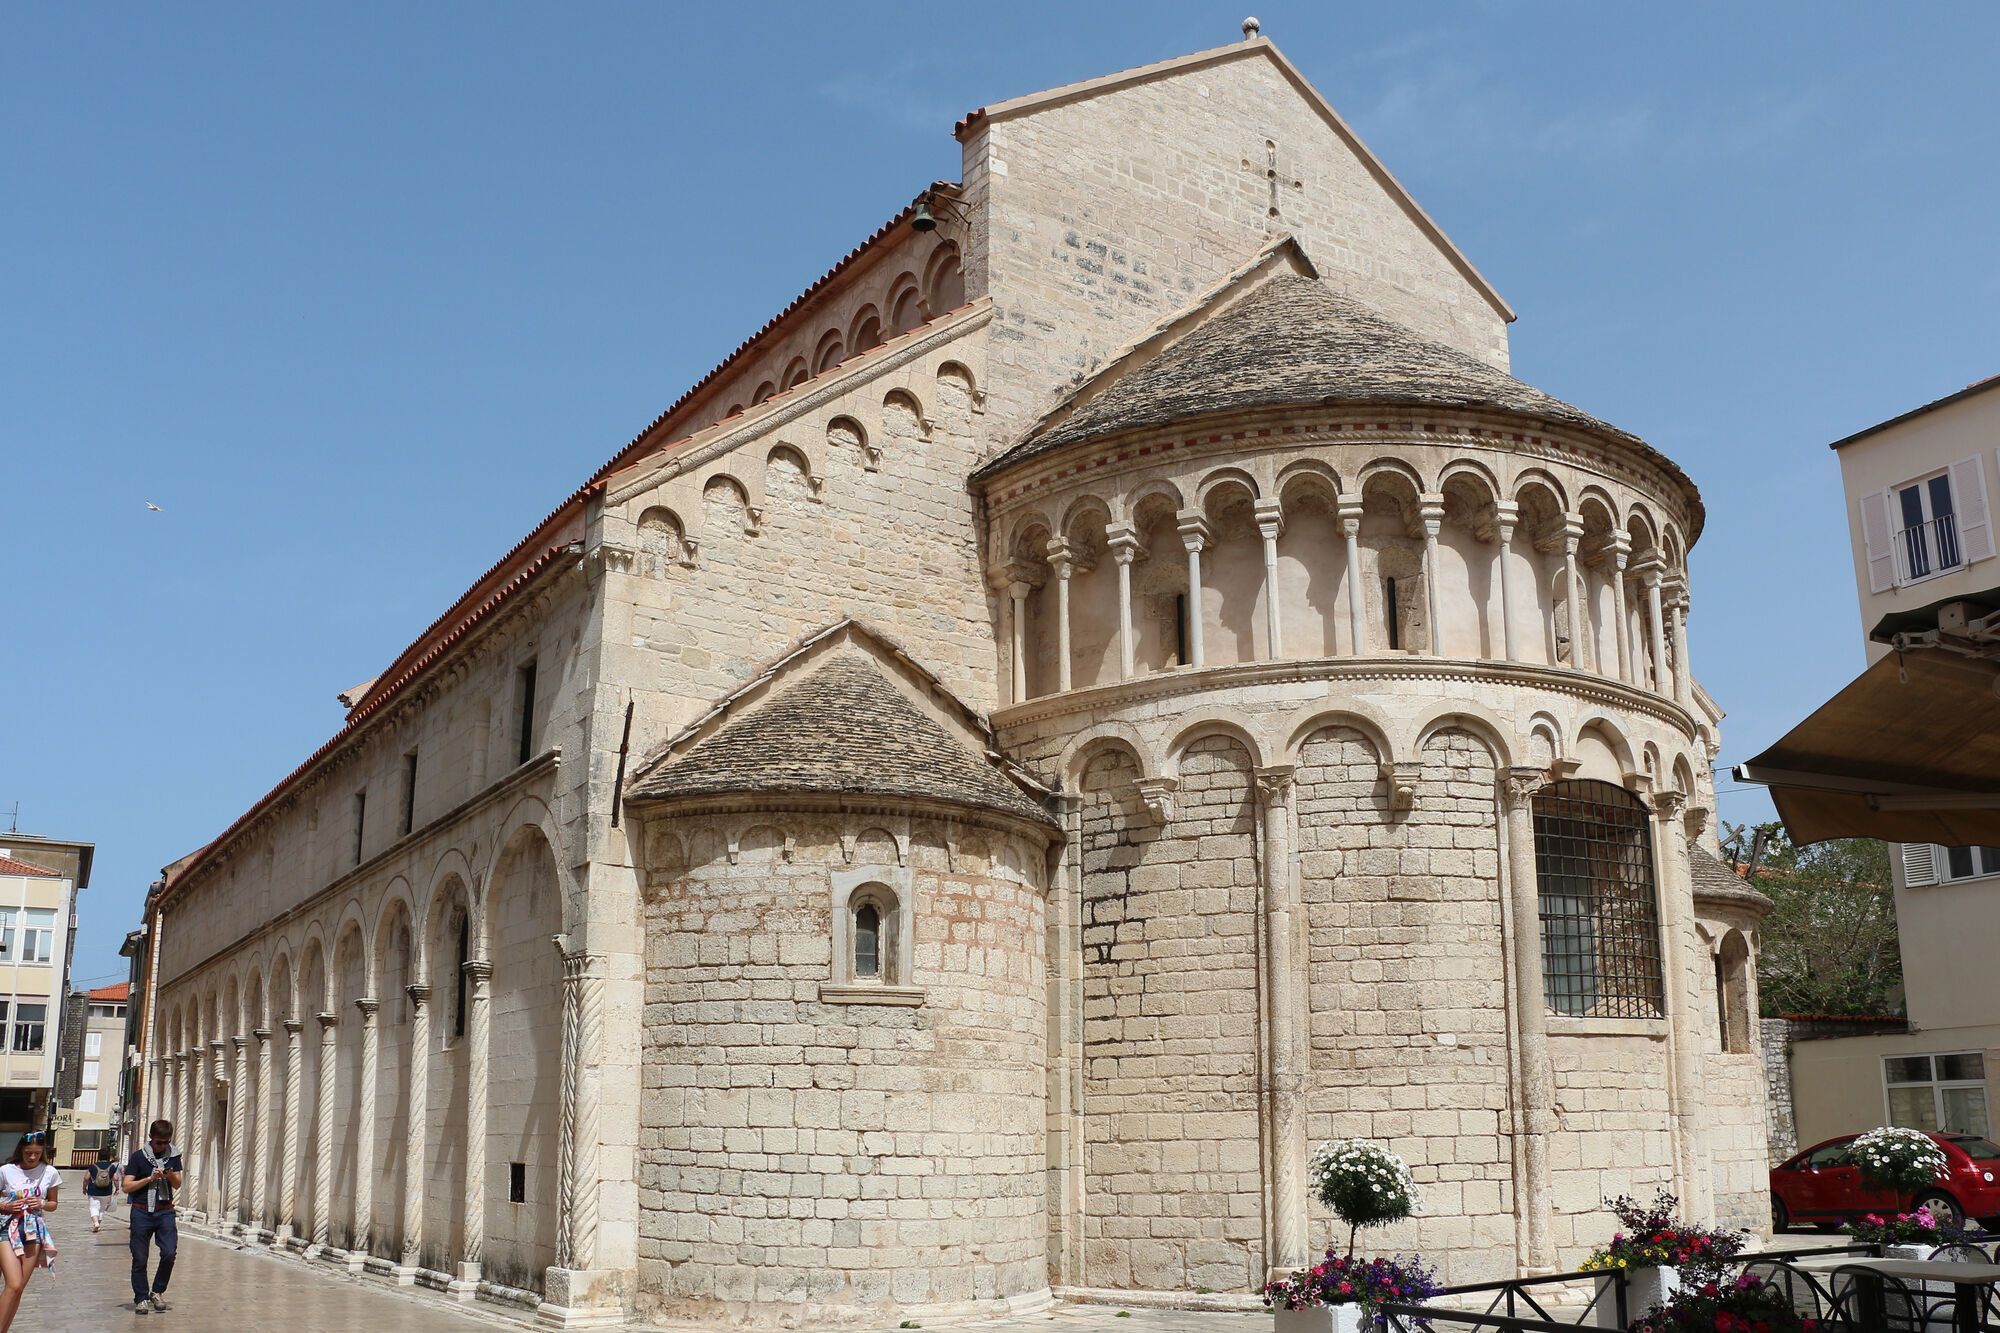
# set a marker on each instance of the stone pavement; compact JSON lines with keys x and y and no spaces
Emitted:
{"x":219,"y":1287}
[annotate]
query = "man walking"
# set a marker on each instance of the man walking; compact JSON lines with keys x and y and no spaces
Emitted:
{"x":151,"y":1177}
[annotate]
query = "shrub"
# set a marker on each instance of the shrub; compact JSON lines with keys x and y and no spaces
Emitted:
{"x":1892,"y":1158}
{"x":1364,"y":1184}
{"x":1341,"y":1279}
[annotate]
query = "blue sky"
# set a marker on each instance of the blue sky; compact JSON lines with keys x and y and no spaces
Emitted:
{"x":357,"y":292}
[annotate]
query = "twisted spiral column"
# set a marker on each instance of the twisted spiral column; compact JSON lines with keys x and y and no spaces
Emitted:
{"x":239,"y":1156}
{"x":419,"y":1115}
{"x":260,"y":1166}
{"x":478,"y":973}
{"x":288,"y":1170}
{"x":364,"y":1141}
{"x":329,"y":1026}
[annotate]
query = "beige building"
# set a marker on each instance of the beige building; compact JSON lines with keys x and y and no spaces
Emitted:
{"x":1919,"y":513}
{"x":103,"y":1060}
{"x":39,"y":881}
{"x":1112,"y":685}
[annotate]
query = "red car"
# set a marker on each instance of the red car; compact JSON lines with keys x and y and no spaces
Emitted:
{"x":1822,"y":1187}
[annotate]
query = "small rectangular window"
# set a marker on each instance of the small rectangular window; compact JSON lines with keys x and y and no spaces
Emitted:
{"x":38,"y":935}
{"x":1395,"y":611}
{"x":524,"y":714}
{"x":8,"y":916}
{"x":409,"y":792}
{"x":93,"y":1045}
{"x":360,"y":822}
{"x":517,"y":1182}
{"x":1968,"y":862}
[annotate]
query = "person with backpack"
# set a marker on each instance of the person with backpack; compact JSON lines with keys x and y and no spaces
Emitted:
{"x":100,"y":1183}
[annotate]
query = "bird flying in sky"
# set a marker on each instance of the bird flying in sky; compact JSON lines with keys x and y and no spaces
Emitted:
{"x":155,"y":508}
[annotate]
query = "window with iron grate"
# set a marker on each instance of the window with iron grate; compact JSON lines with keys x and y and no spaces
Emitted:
{"x":1599,"y":904}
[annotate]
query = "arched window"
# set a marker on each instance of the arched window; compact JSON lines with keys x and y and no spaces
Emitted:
{"x":1599,"y":903}
{"x":868,"y":951}
{"x":1732,"y":993}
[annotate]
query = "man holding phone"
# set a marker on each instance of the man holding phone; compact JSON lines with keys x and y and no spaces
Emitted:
{"x":151,"y":1177}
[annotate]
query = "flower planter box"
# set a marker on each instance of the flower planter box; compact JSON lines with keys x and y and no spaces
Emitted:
{"x":1645,"y":1289}
{"x":1907,"y":1251}
{"x":1321,"y":1319}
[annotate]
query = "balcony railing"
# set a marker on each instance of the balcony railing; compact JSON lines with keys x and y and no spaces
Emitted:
{"x":1929,"y":548}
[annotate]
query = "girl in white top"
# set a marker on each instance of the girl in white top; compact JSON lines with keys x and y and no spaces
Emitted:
{"x":28,"y":1186}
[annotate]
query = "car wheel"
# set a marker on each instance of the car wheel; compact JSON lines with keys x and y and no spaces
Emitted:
{"x":1944,"y":1209}
{"x":1781,"y":1216}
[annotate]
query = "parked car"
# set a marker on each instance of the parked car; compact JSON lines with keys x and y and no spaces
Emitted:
{"x":1822,"y":1187}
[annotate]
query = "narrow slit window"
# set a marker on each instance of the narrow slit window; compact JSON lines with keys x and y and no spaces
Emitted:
{"x":464,"y":957}
{"x":409,"y":792}
{"x":868,"y":942}
{"x":1395,"y":614}
{"x":360,"y":822}
{"x":517,"y":1182}
{"x":525,"y":715}
{"x":1181,"y":634}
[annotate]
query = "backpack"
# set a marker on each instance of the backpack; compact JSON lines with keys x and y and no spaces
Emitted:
{"x":100,"y":1176}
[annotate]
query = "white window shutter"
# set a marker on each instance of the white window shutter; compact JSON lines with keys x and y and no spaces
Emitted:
{"x":1875,"y":534}
{"x":1919,"y":864}
{"x":1975,"y":523}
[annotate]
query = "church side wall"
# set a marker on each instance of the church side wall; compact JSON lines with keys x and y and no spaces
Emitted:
{"x":813,"y":1161}
{"x":1113,"y":211}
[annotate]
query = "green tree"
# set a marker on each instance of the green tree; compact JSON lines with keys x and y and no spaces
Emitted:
{"x":1829,"y":945}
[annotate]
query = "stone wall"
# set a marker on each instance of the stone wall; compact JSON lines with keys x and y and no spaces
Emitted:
{"x":1781,"y":1134}
{"x":808,"y":1156}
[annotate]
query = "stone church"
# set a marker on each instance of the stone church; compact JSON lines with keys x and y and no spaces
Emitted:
{"x":1113,"y":685}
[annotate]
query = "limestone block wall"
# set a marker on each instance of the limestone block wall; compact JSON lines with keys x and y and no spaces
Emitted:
{"x":808,"y":1155}
{"x":1782,"y":1132}
{"x":1106,"y":213}
{"x":1613,"y":1103}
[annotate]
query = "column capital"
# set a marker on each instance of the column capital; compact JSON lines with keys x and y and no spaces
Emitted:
{"x":1696,"y":821}
{"x":293,"y":1027}
{"x":1158,"y":796}
{"x":1017,"y":574}
{"x":1123,"y":539}
{"x":479,"y":970}
{"x":261,"y":1034}
{"x":1402,"y":780}
{"x":1347,"y":508}
{"x":1194,"y":529}
{"x":367,"y":1004}
{"x":1062,"y":557}
{"x":1670,"y":804}
{"x":1430,"y":511}
{"x":1506,"y":516}
{"x":1649,"y":569}
{"x":1274,"y":781}
{"x":215,"y":1045}
{"x":419,"y":993}
{"x":328,"y":1019}
{"x":239,"y":1042}
{"x":1270,"y":517}
{"x":1521,"y":782}
{"x":1572,"y":533}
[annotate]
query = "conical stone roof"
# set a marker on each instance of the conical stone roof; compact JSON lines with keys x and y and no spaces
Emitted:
{"x":1296,"y":342}
{"x":841,"y":729}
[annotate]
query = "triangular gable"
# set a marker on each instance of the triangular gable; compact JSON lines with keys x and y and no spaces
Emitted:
{"x":844,"y":711}
{"x":1255,"y":48}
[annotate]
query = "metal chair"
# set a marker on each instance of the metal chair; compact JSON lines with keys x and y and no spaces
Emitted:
{"x":1964,"y":1252}
{"x":1865,"y":1301}
{"x":1807,"y":1296}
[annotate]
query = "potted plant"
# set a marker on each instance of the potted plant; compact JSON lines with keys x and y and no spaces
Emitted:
{"x":1743,"y":1304}
{"x":1366,"y":1185}
{"x":1658,"y":1255}
{"x":1911,"y":1235}
{"x":1904,"y":1160}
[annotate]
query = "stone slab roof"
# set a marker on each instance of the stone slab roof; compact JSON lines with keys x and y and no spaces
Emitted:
{"x":1716,"y":881}
{"x":1294,"y":341}
{"x":842,"y":730}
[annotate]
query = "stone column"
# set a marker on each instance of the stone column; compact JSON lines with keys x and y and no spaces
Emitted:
{"x":1683,"y":674}
{"x":364,"y":1139}
{"x":1017,"y":638}
{"x":1125,"y":548}
{"x":1288,"y":1009}
{"x":1676,"y":894}
{"x":1535,"y":1092}
{"x":1621,"y":555}
{"x":1357,"y":605}
{"x":239,"y":1110}
{"x":478,"y":973}
{"x":1579,"y":619}
{"x":215,"y":1175}
{"x":1062,"y":558}
{"x":260,"y":1175}
{"x":1657,"y":622}
{"x":1271,"y":522}
{"x":1194,"y":536}
{"x":1509,"y":514}
{"x":1430,"y":509}
{"x":288,"y":1169}
{"x":322,"y":1231}
{"x":415,"y":1156}
{"x":572,"y":1286}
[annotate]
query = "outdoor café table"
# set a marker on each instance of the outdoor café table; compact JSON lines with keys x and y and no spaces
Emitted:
{"x":1967,"y":1282}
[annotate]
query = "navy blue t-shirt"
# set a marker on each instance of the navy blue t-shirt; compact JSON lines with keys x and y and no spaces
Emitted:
{"x":138,"y":1168}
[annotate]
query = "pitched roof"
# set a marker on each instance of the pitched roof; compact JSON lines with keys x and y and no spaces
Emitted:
{"x":9,"y":866}
{"x":1252,"y":47}
{"x":841,"y":729}
{"x":111,"y":994}
{"x":1969,"y":391}
{"x":1294,"y":341}
{"x":1714,"y":880}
